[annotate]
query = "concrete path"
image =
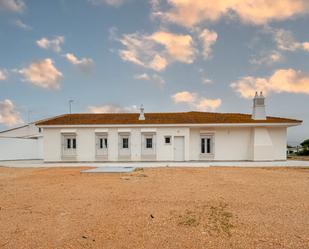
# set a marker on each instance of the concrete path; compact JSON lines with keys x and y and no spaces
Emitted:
{"x":109,"y":170}
{"x":40,"y":163}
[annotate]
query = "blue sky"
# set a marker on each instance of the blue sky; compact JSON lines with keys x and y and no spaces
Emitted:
{"x":170,"y":55}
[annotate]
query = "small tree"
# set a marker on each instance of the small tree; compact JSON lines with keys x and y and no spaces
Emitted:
{"x":305,"y":144}
{"x":305,"y":151}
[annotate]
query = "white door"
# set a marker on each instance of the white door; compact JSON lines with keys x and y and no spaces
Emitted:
{"x":179,"y":148}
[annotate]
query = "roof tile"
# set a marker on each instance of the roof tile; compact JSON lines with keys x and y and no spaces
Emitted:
{"x":159,"y":118}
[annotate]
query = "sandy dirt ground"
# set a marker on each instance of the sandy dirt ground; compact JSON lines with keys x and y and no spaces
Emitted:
{"x":302,"y":158}
{"x":235,"y":208}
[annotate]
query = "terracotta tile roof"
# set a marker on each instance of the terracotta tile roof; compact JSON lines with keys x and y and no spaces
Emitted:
{"x":159,"y":118}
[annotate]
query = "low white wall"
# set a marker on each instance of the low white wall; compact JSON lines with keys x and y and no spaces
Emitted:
{"x":20,"y":148}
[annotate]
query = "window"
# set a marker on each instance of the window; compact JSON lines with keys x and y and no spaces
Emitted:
{"x":167,"y":140}
{"x":125,"y":143}
{"x":103,"y":143}
{"x":148,"y":143}
{"x":70,"y":143}
{"x":207,"y":144}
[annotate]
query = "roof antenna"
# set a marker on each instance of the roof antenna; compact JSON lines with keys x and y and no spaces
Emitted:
{"x":29,"y":116}
{"x":141,"y":114}
{"x":70,"y":105}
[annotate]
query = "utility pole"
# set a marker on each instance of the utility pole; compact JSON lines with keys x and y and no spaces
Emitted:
{"x":70,"y":105}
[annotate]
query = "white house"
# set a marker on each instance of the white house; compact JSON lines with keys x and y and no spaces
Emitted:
{"x":183,"y":136}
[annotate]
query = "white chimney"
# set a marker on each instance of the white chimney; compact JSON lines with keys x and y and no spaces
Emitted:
{"x":141,"y":114}
{"x":259,"y":112}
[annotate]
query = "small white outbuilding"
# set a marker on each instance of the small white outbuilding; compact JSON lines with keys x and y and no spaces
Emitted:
{"x":179,"y":136}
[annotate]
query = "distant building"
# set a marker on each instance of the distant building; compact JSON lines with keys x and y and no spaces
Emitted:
{"x":293,"y":150}
{"x":21,"y":143}
{"x":26,"y":131}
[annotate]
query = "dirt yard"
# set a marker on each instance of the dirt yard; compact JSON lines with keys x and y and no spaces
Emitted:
{"x":235,"y":208}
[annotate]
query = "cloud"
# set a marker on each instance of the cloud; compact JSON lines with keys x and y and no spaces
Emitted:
{"x":207,"y":81}
{"x":178,"y":47}
{"x":3,"y":74}
{"x":195,"y":101}
{"x":208,"y":104}
{"x":53,"y":44}
{"x":158,"y":50}
{"x":42,"y":73}
{"x":285,"y":40}
{"x":184,"y":97}
{"x":281,"y":81}
{"x":208,"y":39}
{"x":19,"y":23}
{"x":114,"y":3}
{"x":143,"y":76}
{"x":111,"y":109}
{"x":13,"y":5}
{"x":267,"y":58}
{"x":85,"y":64}
{"x":258,"y":12}
{"x":9,"y":115}
{"x":157,"y":79}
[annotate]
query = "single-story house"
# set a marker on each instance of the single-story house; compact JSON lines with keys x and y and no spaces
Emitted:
{"x":179,"y":136}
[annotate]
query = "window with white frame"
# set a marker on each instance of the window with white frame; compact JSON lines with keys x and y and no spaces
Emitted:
{"x":207,"y":144}
{"x":167,"y":139}
{"x":125,"y":142}
{"x":148,"y":142}
{"x":69,"y":144}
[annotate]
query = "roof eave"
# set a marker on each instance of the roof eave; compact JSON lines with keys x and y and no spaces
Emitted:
{"x":285,"y":124}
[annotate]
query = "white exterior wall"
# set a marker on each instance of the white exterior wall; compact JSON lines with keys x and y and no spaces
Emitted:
{"x":279,"y":139}
{"x":230,"y":143}
{"x":20,"y":148}
{"x":25,"y":131}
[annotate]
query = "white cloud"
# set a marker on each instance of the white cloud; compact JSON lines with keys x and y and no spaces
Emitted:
{"x":285,"y":40}
{"x":196,"y":102}
{"x":53,"y":44}
{"x":267,"y":58}
{"x":281,"y":81}
{"x":114,"y":3}
{"x":143,"y":76}
{"x":43,"y":74}
{"x":85,"y":64}
{"x":258,"y":12}
{"x":208,"y":39}
{"x":178,"y":47}
{"x":207,"y":81}
{"x":158,"y":50}
{"x":184,"y":97}
{"x":3,"y":74}
{"x":157,"y":79}
{"x":111,"y":109}
{"x":9,"y":115}
{"x":19,"y":23}
{"x":13,"y":5}
{"x":205,"y":104}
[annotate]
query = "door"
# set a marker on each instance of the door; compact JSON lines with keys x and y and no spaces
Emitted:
{"x":101,"y":145}
{"x":179,"y":148}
